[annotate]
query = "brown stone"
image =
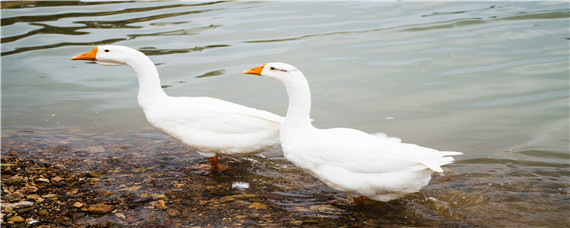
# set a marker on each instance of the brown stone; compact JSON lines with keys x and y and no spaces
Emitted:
{"x":13,"y":196}
{"x":16,"y":219}
{"x":160,"y":204}
{"x":259,"y":206}
{"x":101,"y":208}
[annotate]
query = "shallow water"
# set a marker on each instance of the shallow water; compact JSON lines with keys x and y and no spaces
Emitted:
{"x":490,"y":79}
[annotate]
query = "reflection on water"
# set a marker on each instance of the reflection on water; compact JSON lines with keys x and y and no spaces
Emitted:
{"x":489,"y":79}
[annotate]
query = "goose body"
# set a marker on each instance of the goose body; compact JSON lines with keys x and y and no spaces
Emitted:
{"x":209,"y":125}
{"x":359,"y":164}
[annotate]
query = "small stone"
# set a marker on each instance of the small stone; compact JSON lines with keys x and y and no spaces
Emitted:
{"x":15,"y":181}
{"x":325,"y":209}
{"x":158,"y":196}
{"x":160,"y":204}
{"x":259,"y":206}
{"x":121,"y":215}
{"x":131,"y":189}
{"x":241,"y":203}
{"x":28,"y":190}
{"x":227,"y":199}
{"x":21,"y":204}
{"x":16,"y":219}
{"x":49,"y":196}
{"x":72,"y":192}
{"x":96,"y":173}
{"x":56,"y":179}
{"x":7,"y":210}
{"x":13,"y":196}
{"x":78,"y":204}
{"x":172,"y":212}
{"x":43,"y":212}
{"x":42,"y":180}
{"x":296,"y":223}
{"x":101,"y":208}
{"x":33,"y":196}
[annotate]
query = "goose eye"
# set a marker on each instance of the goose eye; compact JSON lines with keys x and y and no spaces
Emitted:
{"x":272,"y":68}
{"x":106,"y":50}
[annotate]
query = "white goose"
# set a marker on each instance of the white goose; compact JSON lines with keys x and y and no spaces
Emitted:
{"x":356,"y":163}
{"x":211,"y":126}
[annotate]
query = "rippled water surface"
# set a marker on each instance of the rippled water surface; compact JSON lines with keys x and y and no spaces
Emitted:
{"x":490,"y":79}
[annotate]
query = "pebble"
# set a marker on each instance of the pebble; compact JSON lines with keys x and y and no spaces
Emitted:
{"x":7,"y":209}
{"x":16,"y":219}
{"x":158,"y":196}
{"x":49,"y":196}
{"x":42,"y":180}
{"x":14,"y":180}
{"x":96,"y":173}
{"x":13,"y":196}
{"x":259,"y":206}
{"x":172,"y":212}
{"x":56,"y":179}
{"x":227,"y":199}
{"x":33,"y":196}
{"x":21,"y":204}
{"x":28,"y":190}
{"x":101,"y":208}
{"x":120,"y":215}
{"x":160,"y":204}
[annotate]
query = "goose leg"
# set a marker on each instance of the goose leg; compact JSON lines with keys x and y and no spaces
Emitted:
{"x":214,"y":164}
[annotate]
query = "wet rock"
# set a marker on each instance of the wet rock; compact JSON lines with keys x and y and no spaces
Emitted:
{"x":101,"y":208}
{"x":16,"y":219}
{"x":325,"y":209}
{"x":56,"y":179}
{"x":13,"y":196}
{"x":28,"y":190}
{"x":241,"y":203}
{"x":172,"y":212}
{"x":7,"y":209}
{"x":45,"y":180}
{"x":259,"y":206}
{"x":296,"y":223}
{"x":21,"y":204}
{"x":33,"y":196}
{"x":227,"y":199}
{"x":14,"y":181}
{"x":120,"y":215}
{"x":96,"y":173}
{"x":160,"y":204}
{"x":158,"y":196}
{"x":51,"y":195}
{"x":130,"y":189}
{"x":78,"y":204}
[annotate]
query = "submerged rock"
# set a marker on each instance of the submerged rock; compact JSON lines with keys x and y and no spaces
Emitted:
{"x":101,"y":208}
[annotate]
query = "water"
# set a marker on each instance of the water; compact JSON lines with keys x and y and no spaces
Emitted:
{"x":490,"y":79}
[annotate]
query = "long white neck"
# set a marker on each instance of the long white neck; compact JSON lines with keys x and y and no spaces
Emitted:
{"x":147,"y":76}
{"x":299,"y":110}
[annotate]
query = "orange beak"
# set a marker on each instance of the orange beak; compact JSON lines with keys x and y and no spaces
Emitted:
{"x":255,"y":70}
{"x":92,"y":55}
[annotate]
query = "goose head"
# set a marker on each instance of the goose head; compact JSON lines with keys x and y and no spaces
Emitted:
{"x":109,"y":55}
{"x":281,"y":72}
